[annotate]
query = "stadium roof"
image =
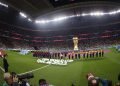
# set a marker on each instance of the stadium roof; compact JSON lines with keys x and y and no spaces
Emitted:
{"x":38,"y":8}
{"x":50,"y":9}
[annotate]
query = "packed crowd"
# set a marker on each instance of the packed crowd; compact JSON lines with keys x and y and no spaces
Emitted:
{"x":63,"y":46}
{"x":8,"y":43}
{"x":85,"y":44}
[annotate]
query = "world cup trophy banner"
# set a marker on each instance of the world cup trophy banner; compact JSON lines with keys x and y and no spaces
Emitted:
{"x":75,"y":41}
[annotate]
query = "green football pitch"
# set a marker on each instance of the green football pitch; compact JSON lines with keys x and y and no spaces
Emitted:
{"x":107,"y":67}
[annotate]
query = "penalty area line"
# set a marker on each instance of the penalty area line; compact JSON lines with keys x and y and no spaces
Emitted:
{"x":34,"y":70}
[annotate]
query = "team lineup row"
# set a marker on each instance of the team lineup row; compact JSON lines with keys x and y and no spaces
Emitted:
{"x":70,"y":55}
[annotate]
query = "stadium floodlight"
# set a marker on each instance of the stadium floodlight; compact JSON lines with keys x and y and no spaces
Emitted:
{"x":29,"y":19}
{"x":84,"y":14}
{"x":23,"y":14}
{"x":97,"y":13}
{"x":118,"y":11}
{"x":2,"y":4}
{"x":60,"y":18}
{"x":112,"y":12}
{"x":37,"y":21}
{"x":41,"y":21}
{"x":44,"y":21}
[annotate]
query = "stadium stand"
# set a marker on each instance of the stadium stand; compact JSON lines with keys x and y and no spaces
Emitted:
{"x":50,"y":41}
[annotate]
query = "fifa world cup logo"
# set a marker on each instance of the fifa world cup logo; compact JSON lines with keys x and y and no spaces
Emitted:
{"x":75,"y":41}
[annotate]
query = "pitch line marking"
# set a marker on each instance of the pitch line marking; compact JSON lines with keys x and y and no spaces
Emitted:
{"x":34,"y":70}
{"x":2,"y":69}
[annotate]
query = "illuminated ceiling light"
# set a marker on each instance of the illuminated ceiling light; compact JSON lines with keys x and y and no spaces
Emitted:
{"x":23,"y":15}
{"x":42,"y":21}
{"x":118,"y":11}
{"x":60,"y":18}
{"x":113,"y":12}
{"x":29,"y":20}
{"x":37,"y":21}
{"x":97,"y":13}
{"x":84,"y":14}
{"x":2,"y":4}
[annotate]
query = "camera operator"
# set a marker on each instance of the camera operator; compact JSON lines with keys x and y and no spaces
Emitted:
{"x":15,"y":79}
{"x":92,"y":80}
{"x":24,"y":82}
{"x":42,"y":82}
{"x":10,"y":79}
{"x":18,"y":81}
{"x":23,"y":78}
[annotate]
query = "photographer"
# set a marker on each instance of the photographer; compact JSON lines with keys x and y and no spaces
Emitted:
{"x":5,"y":64}
{"x":42,"y":82}
{"x":15,"y":79}
{"x":24,"y":82}
{"x":92,"y":80}
{"x":10,"y":79}
{"x":23,"y":79}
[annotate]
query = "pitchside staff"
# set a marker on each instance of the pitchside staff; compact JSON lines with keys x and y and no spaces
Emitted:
{"x":5,"y":64}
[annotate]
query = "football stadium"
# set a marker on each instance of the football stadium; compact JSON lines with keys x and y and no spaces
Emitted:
{"x":59,"y":43}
